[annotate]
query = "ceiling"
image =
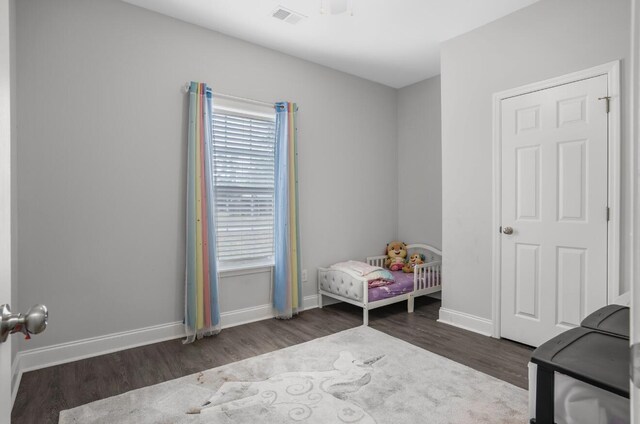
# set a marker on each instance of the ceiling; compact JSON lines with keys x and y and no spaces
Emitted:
{"x":393,"y":42}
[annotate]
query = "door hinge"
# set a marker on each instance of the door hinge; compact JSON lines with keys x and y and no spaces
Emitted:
{"x":608,"y":99}
{"x":608,"y":214}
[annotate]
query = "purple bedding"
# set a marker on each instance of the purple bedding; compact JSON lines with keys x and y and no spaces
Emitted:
{"x":403,"y":284}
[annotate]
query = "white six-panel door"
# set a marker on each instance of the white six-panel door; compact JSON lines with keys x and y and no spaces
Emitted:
{"x":554,"y":198}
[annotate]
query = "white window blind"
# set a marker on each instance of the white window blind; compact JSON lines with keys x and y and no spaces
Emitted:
{"x":243,"y":158}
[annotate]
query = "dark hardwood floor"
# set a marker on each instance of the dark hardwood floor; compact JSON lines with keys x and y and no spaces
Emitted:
{"x":44,"y":393}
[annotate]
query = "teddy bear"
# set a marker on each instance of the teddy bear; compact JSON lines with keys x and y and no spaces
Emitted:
{"x":396,"y":254}
{"x":415,"y":259}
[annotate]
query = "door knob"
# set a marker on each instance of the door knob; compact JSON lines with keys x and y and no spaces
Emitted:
{"x":507,"y":230}
{"x":33,"y":322}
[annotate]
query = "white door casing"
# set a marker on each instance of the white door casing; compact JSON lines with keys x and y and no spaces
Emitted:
{"x":5,"y":203}
{"x":612,"y":71}
{"x":554,"y":195}
{"x":635,"y":202}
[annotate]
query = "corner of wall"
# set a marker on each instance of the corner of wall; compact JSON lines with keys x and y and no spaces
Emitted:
{"x":419,"y":162}
{"x":396,"y":230}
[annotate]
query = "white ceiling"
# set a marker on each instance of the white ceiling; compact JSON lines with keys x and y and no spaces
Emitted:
{"x":393,"y":42}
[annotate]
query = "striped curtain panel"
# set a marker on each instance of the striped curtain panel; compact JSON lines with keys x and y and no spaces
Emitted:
{"x":287,"y":290}
{"x":202,"y":314}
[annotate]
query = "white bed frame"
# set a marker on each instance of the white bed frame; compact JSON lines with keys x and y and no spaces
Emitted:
{"x":426,"y":280}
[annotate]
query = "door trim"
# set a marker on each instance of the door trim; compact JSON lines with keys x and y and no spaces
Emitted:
{"x":635,"y":205}
{"x":612,"y":70}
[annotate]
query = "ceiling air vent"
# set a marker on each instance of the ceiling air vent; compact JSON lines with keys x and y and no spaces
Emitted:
{"x":287,"y":15}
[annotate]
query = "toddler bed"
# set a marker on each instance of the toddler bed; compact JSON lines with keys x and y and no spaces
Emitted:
{"x":366,"y":292}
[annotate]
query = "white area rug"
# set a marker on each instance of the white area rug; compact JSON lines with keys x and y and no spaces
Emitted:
{"x":355,"y":376}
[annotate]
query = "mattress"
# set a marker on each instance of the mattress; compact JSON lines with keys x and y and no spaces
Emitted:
{"x":341,"y":283}
{"x":403,"y":284}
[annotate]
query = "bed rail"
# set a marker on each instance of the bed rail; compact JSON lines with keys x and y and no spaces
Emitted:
{"x":377,"y":260}
{"x":427,"y":275}
{"x":431,"y":253}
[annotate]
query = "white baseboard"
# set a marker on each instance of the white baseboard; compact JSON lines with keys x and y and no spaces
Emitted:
{"x":33,"y":359}
{"x":327,"y":301}
{"x":258,"y":313}
{"x":436,"y":295}
{"x":466,"y":321}
{"x":246,"y":315}
{"x":310,"y":302}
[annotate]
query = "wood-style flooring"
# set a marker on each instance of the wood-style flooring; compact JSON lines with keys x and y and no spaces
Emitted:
{"x":46,"y":392}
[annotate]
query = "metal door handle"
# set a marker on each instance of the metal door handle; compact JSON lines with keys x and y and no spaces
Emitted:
{"x":507,"y":230}
{"x":33,"y":322}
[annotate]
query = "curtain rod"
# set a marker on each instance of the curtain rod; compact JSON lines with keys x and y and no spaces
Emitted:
{"x":228,"y":96}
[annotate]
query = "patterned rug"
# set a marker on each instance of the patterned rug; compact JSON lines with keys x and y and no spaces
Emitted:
{"x":356,"y":376}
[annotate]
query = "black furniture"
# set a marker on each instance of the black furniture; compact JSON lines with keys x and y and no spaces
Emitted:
{"x":596,"y":353}
{"x":612,"y":319}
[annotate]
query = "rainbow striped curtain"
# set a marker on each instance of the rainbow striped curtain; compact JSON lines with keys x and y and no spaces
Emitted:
{"x":202,"y":314}
{"x":287,"y":290}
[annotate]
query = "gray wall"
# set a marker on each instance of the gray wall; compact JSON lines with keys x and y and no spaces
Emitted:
{"x":545,"y":40}
{"x":420,"y":163}
{"x":101,"y":161}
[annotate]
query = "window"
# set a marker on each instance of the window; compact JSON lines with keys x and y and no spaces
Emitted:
{"x":243,"y":165}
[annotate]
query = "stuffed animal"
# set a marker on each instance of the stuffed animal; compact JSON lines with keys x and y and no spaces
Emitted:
{"x":415,"y":259}
{"x":396,"y":254}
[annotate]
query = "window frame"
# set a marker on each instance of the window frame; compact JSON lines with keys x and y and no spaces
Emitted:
{"x":247,"y":110}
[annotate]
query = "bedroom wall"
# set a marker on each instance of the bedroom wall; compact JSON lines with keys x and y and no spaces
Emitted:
{"x":548,"y":39}
{"x":102,"y":152}
{"x":420,"y":163}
